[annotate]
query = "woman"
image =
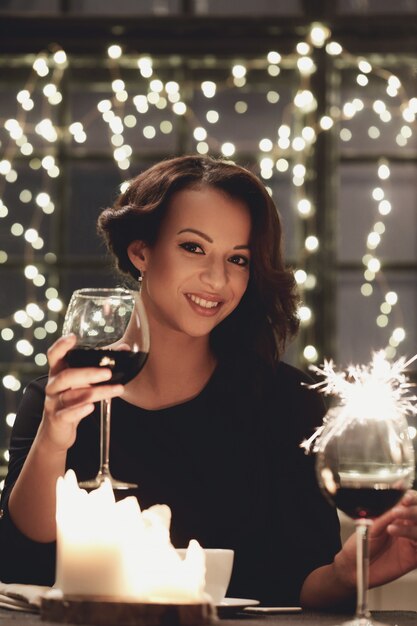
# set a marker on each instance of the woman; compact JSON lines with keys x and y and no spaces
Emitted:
{"x":212,"y":425}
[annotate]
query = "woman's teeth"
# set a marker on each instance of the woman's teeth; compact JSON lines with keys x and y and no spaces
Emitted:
{"x":206,"y":304}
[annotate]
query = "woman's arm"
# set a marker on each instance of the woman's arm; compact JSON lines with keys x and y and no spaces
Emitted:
{"x":392,"y":550}
{"x":69,"y":397}
{"x":329,"y":586}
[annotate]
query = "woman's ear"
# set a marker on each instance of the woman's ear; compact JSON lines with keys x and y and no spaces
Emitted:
{"x":137,"y":253}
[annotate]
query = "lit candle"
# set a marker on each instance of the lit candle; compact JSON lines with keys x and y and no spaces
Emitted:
{"x":113,"y":549}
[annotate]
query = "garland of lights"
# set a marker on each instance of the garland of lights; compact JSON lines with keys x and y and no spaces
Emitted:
{"x":290,"y":150}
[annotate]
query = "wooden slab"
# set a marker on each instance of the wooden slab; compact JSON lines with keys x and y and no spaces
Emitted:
{"x":108,"y":612}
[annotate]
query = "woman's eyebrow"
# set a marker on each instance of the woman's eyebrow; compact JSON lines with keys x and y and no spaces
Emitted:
{"x":196,"y":232}
{"x":207,"y":238}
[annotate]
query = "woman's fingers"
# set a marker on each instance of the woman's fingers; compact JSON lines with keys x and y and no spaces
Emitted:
{"x":66,"y":407}
{"x":400,"y":530}
{"x":70,"y":395}
{"x":407,"y":507}
{"x":58,"y":350}
{"x":404,"y":521}
{"x":410,"y":498}
{"x":73,"y":415}
{"x":72,"y":388}
{"x":122,"y":346}
{"x":72,"y":399}
{"x":76,"y":377}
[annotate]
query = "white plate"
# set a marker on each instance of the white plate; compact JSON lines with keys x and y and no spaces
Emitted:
{"x":231,"y":605}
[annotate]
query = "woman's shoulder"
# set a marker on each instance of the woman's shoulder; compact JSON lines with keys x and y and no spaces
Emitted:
{"x":34,"y":390}
{"x":291,"y":378}
{"x":37,"y":384}
{"x":292,"y":394}
{"x":279,"y":395}
{"x":30,"y":407}
{"x":283,"y":371}
{"x":277,"y":382}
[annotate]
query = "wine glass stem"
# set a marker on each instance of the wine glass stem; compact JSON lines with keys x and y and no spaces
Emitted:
{"x":362,"y":567}
{"x":105,"y":413}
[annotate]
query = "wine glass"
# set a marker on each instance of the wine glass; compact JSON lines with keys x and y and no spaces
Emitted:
{"x":364,"y":464}
{"x":112,"y":332}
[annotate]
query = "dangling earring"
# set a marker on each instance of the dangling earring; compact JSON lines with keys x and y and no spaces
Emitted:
{"x":140,"y":278}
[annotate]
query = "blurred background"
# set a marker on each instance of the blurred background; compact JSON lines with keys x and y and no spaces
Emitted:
{"x":317,"y":97}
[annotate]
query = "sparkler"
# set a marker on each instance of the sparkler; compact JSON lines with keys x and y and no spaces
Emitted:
{"x":379,"y":390}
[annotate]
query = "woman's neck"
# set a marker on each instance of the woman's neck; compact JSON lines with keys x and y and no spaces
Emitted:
{"x":177,"y":369}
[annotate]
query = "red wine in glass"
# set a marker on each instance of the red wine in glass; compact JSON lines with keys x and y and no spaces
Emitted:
{"x":366,"y":502}
{"x":124,"y":364}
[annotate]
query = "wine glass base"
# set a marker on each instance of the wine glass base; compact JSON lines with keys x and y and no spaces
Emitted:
{"x":118,"y":484}
{"x":95,"y":483}
{"x":362,"y":621}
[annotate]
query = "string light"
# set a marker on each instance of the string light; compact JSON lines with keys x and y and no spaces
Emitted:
{"x":208,"y":88}
{"x":319,"y":34}
{"x":228,"y":149}
{"x":310,"y":353}
{"x":305,"y":314}
{"x":287,"y":152}
{"x":114,"y":51}
{"x":145,"y":66}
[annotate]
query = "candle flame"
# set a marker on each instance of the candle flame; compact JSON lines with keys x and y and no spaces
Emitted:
{"x":379,"y":390}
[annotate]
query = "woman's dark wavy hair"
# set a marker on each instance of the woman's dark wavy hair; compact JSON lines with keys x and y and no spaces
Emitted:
{"x":266,"y":317}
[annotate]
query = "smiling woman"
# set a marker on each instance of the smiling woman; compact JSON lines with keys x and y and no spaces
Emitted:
{"x":212,"y":425}
{"x":267,"y":315}
{"x":203,"y":235}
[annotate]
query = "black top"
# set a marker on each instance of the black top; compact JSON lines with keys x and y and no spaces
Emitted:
{"x":227,"y":462}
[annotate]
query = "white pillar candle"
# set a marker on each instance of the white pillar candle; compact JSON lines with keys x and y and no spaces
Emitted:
{"x":113,"y":549}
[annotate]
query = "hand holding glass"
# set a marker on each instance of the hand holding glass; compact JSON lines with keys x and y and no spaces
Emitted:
{"x":365,"y":465}
{"x":112,"y":331}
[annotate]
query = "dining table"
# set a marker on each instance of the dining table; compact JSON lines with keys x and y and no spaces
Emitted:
{"x":240,"y":618}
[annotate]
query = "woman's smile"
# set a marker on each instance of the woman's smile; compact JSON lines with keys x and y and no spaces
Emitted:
{"x":208,"y":305}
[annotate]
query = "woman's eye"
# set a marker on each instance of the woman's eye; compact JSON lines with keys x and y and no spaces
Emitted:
{"x":243,"y":261}
{"x":190,"y":246}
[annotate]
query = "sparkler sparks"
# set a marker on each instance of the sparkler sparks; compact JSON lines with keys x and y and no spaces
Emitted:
{"x":380,"y":390}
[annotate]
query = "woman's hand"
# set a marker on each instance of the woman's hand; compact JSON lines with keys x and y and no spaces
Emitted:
{"x":70,"y":396}
{"x":393,"y":541}
{"x":392,"y":545}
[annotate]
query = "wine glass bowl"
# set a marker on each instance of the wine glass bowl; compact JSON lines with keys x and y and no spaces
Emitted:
{"x":99,"y":319}
{"x":364,"y":465}
{"x":366,"y":468}
{"x":112,"y":332}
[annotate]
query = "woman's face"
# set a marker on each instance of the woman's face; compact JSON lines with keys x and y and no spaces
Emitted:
{"x":198,"y":270}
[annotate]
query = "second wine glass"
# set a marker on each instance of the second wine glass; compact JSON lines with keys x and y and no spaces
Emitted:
{"x":364,"y":465}
{"x":112,"y":332}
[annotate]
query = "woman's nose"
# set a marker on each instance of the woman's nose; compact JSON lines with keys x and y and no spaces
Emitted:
{"x":214,"y":274}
